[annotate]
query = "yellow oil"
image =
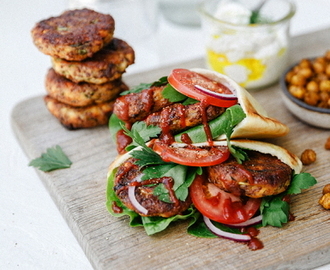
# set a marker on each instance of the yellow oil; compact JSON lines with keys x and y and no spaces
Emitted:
{"x":219,"y":62}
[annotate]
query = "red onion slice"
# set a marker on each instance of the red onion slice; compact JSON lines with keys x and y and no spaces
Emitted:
{"x":215,"y":94}
{"x":251,"y":221}
{"x":221,"y":233}
{"x":135,"y":203}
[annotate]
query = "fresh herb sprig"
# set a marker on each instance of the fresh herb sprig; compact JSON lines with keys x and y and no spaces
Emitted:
{"x":53,"y":159}
{"x":275,"y":210}
{"x":140,"y":134}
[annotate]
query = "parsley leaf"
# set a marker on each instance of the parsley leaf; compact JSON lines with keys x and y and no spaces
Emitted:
{"x":140,"y":134}
{"x":140,"y":131}
{"x":53,"y":159}
{"x":301,"y":181}
{"x":274,"y":211}
{"x":145,"y":156}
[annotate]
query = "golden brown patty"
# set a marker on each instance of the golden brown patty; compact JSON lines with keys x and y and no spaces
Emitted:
{"x":127,"y":173}
{"x":81,"y":94}
{"x":106,"y":65}
{"x":79,"y":117}
{"x":260,"y":176}
{"x":74,"y":35}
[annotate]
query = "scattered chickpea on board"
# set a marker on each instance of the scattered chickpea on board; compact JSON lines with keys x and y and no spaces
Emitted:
{"x":327,"y":144}
{"x":308,"y":156}
{"x":309,"y":81}
{"x":325,"y":199}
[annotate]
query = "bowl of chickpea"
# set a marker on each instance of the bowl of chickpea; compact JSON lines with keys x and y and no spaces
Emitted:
{"x":306,"y":90}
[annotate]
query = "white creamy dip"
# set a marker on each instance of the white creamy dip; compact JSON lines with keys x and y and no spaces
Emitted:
{"x":254,"y":55}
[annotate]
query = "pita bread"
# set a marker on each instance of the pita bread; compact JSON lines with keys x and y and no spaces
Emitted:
{"x":257,"y":124}
{"x":263,"y":147}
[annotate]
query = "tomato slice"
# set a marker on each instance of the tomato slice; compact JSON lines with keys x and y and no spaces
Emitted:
{"x":192,"y":84}
{"x":192,"y":155}
{"x":219,"y":205}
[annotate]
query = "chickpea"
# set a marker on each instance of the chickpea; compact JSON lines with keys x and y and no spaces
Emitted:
{"x":326,"y":189}
{"x":305,"y":72}
{"x":327,"y":144}
{"x":311,"y":98}
{"x":319,"y":67}
{"x":325,"y":201}
{"x":325,"y":85}
{"x":289,"y":75}
{"x":305,"y":63}
{"x":308,"y":157}
{"x":321,"y":77}
{"x":327,"y":70}
{"x":320,"y":60}
{"x":324,"y":96}
{"x":297,"y":91}
{"x":298,"y":80}
{"x":327,"y":55}
{"x":312,"y":86}
{"x":296,"y":69}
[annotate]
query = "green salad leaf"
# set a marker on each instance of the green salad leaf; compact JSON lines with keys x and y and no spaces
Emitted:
{"x":275,"y":210}
{"x":142,"y":86}
{"x":173,"y":95}
{"x":223,"y":124}
{"x":115,"y":124}
{"x":53,"y":159}
{"x":113,"y":200}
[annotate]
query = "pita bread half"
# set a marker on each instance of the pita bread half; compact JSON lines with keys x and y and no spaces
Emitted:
{"x":263,"y":147}
{"x":257,"y":124}
{"x":266,"y":148}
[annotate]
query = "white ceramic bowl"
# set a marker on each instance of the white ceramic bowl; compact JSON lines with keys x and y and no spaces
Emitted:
{"x":315,"y":116}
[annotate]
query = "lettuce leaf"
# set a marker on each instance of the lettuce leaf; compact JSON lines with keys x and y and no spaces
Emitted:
{"x":223,"y":124}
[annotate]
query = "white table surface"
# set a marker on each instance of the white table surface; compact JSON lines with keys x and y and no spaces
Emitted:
{"x":33,"y":234}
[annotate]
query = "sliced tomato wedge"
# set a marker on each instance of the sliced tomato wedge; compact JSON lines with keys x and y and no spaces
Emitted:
{"x":219,"y":205}
{"x":191,"y":155}
{"x":197,"y":86}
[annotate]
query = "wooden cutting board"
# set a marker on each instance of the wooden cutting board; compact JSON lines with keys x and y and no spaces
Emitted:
{"x":109,"y":243}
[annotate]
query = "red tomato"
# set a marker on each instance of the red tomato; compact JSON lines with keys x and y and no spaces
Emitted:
{"x":191,"y":155}
{"x":184,"y":81}
{"x":219,"y":205}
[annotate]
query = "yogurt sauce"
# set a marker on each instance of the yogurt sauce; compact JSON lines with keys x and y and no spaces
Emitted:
{"x":253,"y":55}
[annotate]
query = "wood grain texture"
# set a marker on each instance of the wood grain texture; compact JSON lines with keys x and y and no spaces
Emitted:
{"x":109,"y":243}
